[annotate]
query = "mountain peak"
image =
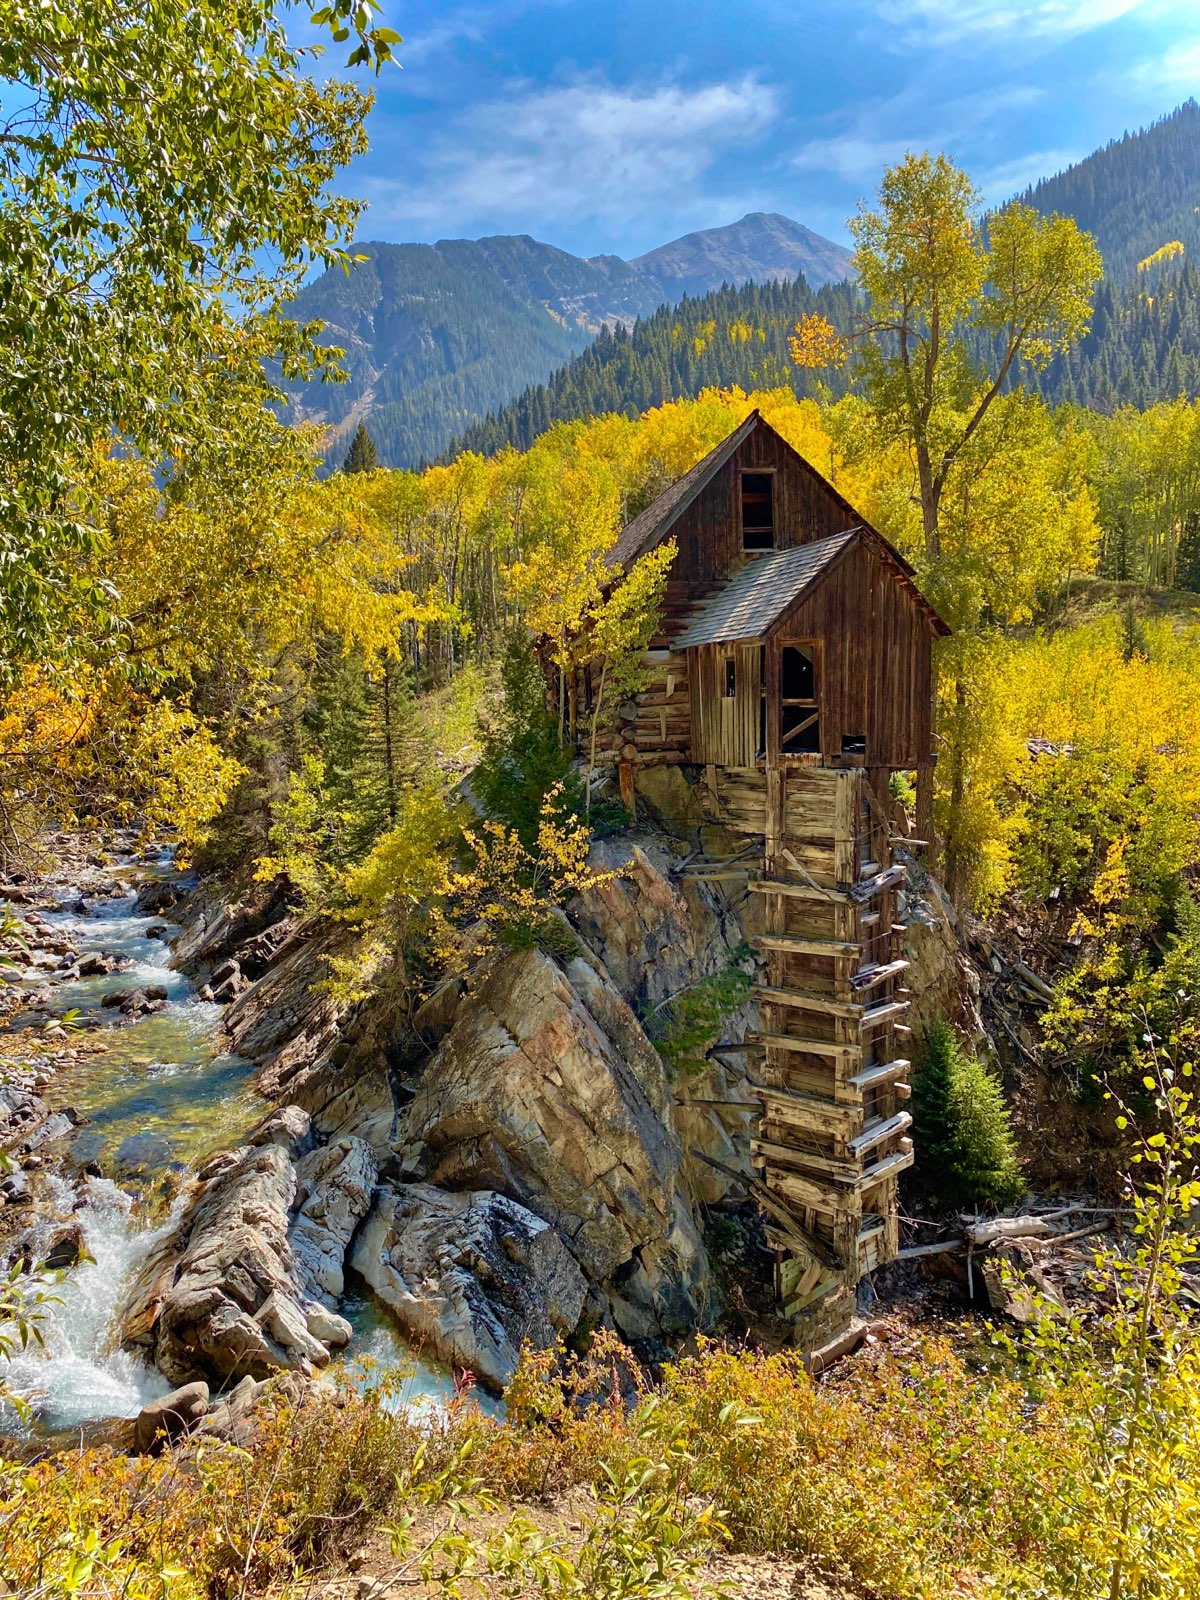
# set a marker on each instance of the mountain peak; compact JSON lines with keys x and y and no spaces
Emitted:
{"x":763,"y":246}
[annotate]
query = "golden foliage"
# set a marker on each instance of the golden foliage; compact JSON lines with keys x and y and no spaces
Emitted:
{"x":1170,"y":251}
{"x":815,"y":342}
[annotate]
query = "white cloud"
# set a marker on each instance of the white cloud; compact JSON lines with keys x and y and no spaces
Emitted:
{"x":586,"y":149}
{"x":1177,"y":70}
{"x":852,"y":158}
{"x":882,"y":132}
{"x":1001,"y":183}
{"x":948,"y":21}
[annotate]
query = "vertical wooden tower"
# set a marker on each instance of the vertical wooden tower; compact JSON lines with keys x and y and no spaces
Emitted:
{"x":832,"y":1140}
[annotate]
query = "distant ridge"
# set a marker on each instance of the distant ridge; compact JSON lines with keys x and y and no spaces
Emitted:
{"x":437,"y":335}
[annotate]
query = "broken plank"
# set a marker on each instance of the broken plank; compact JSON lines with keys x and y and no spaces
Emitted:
{"x":881,"y":1072}
{"x":870,"y":977}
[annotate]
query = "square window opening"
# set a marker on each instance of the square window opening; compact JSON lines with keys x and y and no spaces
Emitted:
{"x":854,"y":744}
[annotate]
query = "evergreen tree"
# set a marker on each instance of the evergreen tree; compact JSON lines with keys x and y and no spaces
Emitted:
{"x":362,"y":455}
{"x":522,"y":757}
{"x":1187,"y":559}
{"x":966,"y":1155}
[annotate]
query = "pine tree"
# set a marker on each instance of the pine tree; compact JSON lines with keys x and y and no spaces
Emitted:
{"x":966,"y":1154}
{"x":522,"y":756}
{"x":362,"y":455}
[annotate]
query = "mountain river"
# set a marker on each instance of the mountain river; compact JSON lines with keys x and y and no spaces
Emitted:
{"x":154,"y":1101}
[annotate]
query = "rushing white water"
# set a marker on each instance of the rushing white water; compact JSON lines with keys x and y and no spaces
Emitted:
{"x":79,"y":1373}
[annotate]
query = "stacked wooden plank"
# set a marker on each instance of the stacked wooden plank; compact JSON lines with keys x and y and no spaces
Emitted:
{"x":832,"y":1140}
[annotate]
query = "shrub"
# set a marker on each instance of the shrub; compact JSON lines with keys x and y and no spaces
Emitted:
{"x":691,"y":1021}
{"x":966,"y":1154}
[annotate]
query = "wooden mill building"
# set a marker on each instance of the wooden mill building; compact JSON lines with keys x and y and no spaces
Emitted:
{"x":793,"y":674}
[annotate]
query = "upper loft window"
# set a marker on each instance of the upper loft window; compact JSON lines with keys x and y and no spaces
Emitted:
{"x":758,"y":511}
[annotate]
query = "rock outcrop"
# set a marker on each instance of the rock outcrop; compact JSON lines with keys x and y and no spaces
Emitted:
{"x":537,"y":1167}
{"x":546,"y":1089}
{"x":469,"y":1276}
{"x":223,"y":1296}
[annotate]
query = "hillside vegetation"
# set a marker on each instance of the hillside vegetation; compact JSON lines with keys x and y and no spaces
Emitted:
{"x":1136,"y":195}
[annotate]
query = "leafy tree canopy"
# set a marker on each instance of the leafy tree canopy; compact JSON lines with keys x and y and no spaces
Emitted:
{"x":165,"y":181}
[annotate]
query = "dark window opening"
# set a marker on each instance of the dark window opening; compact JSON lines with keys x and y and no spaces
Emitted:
{"x":799,"y":731}
{"x":730,"y":678}
{"x":758,"y":511}
{"x":797,"y":675}
{"x":799,"y":719}
{"x":854,"y":744}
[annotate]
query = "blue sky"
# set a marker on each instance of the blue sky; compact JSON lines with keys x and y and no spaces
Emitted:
{"x":617,"y":126}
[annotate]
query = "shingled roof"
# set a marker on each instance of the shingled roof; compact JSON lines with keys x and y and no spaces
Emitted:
{"x":757,"y":595}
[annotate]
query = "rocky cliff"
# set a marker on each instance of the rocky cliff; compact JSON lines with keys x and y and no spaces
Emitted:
{"x":519,"y":1164}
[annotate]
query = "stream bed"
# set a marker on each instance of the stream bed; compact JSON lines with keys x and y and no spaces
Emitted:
{"x":155,"y":1096}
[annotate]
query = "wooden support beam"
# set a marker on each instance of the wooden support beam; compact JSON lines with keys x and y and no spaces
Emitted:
{"x":791,"y":1227}
{"x":799,"y":945}
{"x":869,"y":887}
{"x":804,"y":1190}
{"x":803,"y":1000}
{"x":805,"y":1160}
{"x":886,"y":1011}
{"x":869,"y":1138}
{"x":812,"y":1047}
{"x":807,"y":1109}
{"x":798,"y":891}
{"x":881,"y":1072}
{"x":890,"y":1166}
{"x":871,"y":977}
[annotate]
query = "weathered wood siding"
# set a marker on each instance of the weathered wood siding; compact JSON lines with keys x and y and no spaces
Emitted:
{"x":874,"y":666}
{"x":709,"y":532}
{"x":725,"y":728}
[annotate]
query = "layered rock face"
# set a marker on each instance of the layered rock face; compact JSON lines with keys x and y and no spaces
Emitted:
{"x":233,"y":1292}
{"x":471,"y":1276}
{"x":547,"y":1090}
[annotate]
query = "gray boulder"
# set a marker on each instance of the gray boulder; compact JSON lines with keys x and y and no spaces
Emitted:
{"x":469,"y":1276}
{"x":165,"y":1420}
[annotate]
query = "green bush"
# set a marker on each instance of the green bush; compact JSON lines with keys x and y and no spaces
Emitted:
{"x":966,"y":1154}
{"x":522,"y":758}
{"x":683,"y":1030}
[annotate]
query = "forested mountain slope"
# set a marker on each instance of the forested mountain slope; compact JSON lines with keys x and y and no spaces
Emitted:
{"x":1137,"y":194}
{"x":437,"y":335}
{"x":1144,"y":346}
{"x":732,"y":336}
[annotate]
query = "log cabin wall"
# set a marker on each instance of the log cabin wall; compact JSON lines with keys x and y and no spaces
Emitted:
{"x":709,"y":531}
